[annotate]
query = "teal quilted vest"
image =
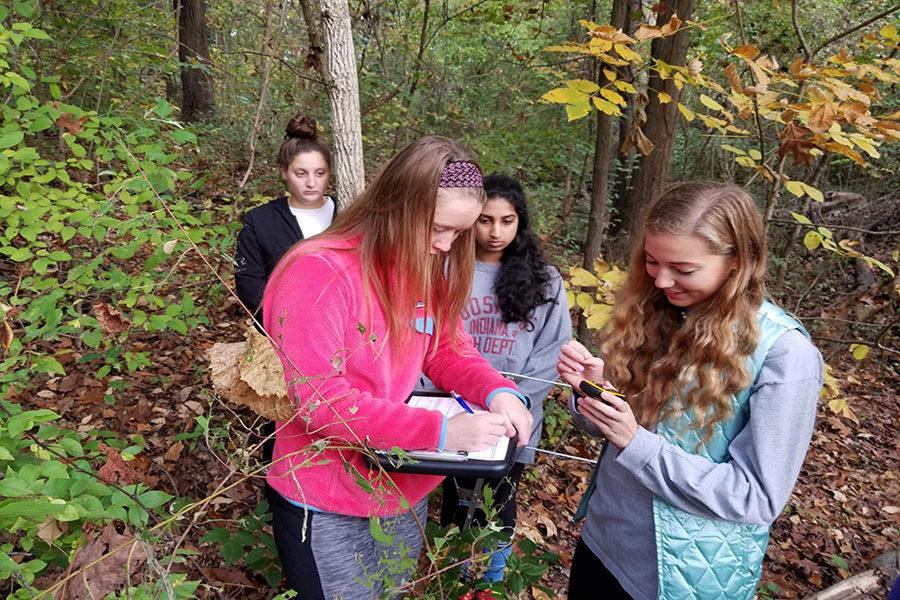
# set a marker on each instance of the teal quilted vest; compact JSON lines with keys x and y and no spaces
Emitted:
{"x":700,"y":558}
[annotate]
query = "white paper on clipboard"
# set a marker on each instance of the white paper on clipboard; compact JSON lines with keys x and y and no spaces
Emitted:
{"x":449,"y":407}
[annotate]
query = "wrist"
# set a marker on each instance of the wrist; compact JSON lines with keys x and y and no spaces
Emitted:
{"x":505,"y":390}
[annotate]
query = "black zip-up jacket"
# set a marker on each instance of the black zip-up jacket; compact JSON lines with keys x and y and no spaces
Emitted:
{"x":269,"y":231}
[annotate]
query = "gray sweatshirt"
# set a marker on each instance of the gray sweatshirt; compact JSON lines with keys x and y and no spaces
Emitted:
{"x":511,"y":347}
{"x":752,"y":487}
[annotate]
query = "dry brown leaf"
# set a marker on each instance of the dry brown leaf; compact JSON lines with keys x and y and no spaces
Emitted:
{"x":6,"y":337}
{"x":748,"y":51}
{"x":119,"y":556}
{"x":230,"y":577}
{"x":174,"y":452}
{"x":647,"y":32}
{"x":50,"y":530}
{"x":734,"y":80}
{"x":110,"y":319}
{"x":68,"y":122}
{"x":821,"y":117}
{"x":6,"y":332}
{"x":115,"y":470}
{"x":672,"y":26}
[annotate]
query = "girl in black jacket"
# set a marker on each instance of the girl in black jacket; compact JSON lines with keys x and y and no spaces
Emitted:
{"x":269,"y":230}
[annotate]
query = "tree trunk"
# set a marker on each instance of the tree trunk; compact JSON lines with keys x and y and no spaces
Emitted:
{"x":193,"y":51}
{"x":653,"y":171}
{"x":313,"y":60}
{"x":624,"y":162}
{"x":343,"y":91}
{"x":598,"y":216}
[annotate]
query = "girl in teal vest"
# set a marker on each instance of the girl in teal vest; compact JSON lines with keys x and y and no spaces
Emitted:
{"x":720,"y":391}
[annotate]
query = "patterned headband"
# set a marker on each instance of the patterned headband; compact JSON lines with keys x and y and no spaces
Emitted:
{"x":461,"y":174}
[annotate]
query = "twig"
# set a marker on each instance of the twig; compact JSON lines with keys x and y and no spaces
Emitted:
{"x":865,"y":342}
{"x":756,"y":116}
{"x":808,"y":290}
{"x":847,"y":32}
{"x":884,"y":331}
{"x":799,"y":32}
{"x":297,"y":73}
{"x":836,"y":227}
{"x":264,"y":89}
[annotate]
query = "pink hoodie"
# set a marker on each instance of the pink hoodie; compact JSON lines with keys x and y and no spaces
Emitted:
{"x":346,"y":389}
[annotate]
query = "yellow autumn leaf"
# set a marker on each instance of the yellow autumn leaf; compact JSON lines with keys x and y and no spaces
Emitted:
{"x":625,"y":87}
{"x":568,"y":48}
{"x":601,"y":266}
{"x":600,"y":44}
{"x":583,"y":85}
{"x":664,"y":98}
{"x":812,"y":240}
{"x":801,"y":218}
{"x":732,"y":149}
{"x":612,"y":96}
{"x":755,"y":154}
{"x":582,"y":277}
{"x":860,"y":351}
{"x":615,"y":276}
{"x":813,"y":193}
{"x":840,"y":407}
{"x":710,"y":103}
{"x":570,"y":298}
{"x":687,"y":113}
{"x":889,"y":32}
{"x":712,"y":122}
{"x":578,"y":111}
{"x":606,"y":107}
{"x":599,"y":315}
{"x":731,"y":128}
{"x":794,"y":187}
{"x":565,"y":95}
{"x":866,"y":145}
{"x":584,"y":300}
{"x":745,"y":161}
{"x":627,"y":53}
{"x":609,"y":74}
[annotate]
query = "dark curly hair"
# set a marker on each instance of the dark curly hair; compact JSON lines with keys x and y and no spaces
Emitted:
{"x":523,"y":282}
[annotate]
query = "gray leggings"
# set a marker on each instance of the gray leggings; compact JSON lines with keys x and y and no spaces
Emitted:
{"x":336,"y":556}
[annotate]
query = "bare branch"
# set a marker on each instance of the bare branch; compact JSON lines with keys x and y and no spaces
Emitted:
{"x":847,"y":32}
{"x":799,"y":32}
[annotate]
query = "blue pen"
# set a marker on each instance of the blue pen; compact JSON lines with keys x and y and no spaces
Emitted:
{"x":461,"y":402}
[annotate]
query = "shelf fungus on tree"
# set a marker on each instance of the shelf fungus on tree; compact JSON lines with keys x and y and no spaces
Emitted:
{"x":250,"y":373}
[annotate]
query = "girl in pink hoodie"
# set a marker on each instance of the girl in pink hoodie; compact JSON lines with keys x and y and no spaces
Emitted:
{"x":357,"y":313}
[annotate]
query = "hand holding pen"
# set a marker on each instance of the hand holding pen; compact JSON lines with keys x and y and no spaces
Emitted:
{"x":472,"y":432}
{"x":461,"y":402}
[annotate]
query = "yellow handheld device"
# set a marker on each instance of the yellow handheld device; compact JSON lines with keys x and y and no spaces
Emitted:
{"x":594,"y":389}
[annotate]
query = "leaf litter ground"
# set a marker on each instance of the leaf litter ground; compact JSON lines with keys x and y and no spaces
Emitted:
{"x":842,"y":514}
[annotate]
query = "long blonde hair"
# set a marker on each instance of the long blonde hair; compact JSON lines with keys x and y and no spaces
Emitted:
{"x":394,"y":217}
{"x":654,"y":350}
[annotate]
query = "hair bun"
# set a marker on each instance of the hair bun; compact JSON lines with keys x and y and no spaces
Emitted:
{"x":301,"y":126}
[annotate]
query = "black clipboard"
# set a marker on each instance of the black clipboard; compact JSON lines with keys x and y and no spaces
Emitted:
{"x":460,"y":465}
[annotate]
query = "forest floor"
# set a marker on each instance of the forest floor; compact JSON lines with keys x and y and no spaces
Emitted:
{"x":842,"y":514}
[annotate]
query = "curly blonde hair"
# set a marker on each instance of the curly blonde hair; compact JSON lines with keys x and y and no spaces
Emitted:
{"x":655,"y":351}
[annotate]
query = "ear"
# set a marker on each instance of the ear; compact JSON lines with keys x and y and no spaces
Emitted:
{"x":284,"y":173}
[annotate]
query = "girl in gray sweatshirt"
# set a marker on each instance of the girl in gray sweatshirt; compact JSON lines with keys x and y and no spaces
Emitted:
{"x":518,"y":316}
